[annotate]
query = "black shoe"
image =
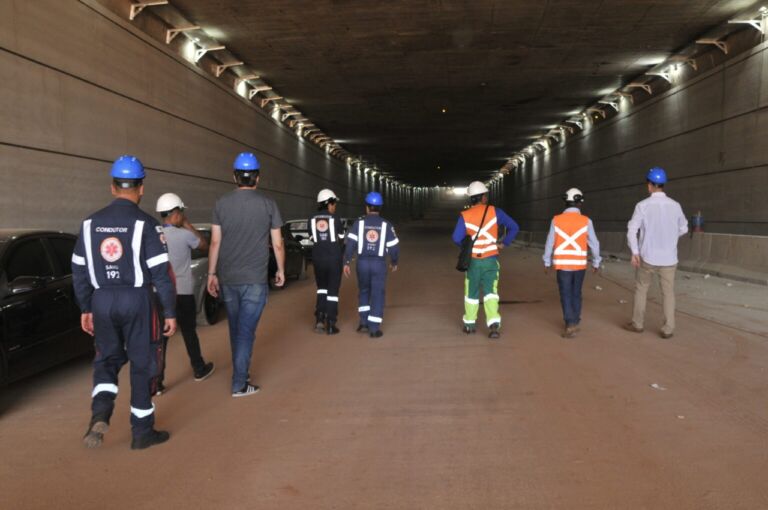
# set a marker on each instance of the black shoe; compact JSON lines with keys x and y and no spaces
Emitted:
{"x":362,"y":328}
{"x":376,"y":334}
{"x":206,"y":372}
{"x":248,"y":389}
{"x":319,"y":327}
{"x":96,"y":430}
{"x":160,"y":389}
{"x":494,"y":333}
{"x":151,"y":438}
{"x":469,"y":330}
{"x":332,"y":329}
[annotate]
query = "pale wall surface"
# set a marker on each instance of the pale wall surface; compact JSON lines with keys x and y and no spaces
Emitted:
{"x":80,"y":86}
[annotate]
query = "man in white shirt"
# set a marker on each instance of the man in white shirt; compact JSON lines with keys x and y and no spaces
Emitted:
{"x":652,"y":233}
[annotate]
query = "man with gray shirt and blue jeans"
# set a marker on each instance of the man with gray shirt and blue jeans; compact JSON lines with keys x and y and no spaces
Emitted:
{"x":244,"y":221}
{"x":652,"y":234}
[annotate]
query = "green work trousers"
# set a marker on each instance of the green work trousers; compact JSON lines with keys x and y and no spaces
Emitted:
{"x":482,"y":273}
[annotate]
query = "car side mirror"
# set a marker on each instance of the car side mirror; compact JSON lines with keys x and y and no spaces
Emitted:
{"x":23,"y":284}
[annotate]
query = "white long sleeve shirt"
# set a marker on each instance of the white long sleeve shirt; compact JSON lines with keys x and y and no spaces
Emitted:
{"x":653,"y":231}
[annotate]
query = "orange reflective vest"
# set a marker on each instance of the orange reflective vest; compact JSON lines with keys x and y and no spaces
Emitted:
{"x":570,"y":251}
{"x":485,"y":246}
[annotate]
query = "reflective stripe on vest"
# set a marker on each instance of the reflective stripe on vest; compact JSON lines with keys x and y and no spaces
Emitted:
{"x":570,"y":241}
{"x":485,"y":246}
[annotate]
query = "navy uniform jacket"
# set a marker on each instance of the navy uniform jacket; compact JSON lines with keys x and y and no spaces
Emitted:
{"x":121,"y":246}
{"x":327,"y":235}
{"x":372,"y":237}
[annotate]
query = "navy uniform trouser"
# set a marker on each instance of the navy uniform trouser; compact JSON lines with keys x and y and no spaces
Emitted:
{"x":126,"y":328}
{"x":371,"y":282}
{"x":328,"y":279}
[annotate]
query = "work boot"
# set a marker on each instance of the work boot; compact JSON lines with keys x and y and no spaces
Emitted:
{"x":469,"y":330}
{"x":569,"y":332}
{"x":96,"y":430}
{"x":362,"y":328}
{"x":376,"y":334}
{"x":630,"y":326}
{"x":205,"y":373}
{"x":494,"y":333}
{"x":332,"y":329}
{"x":151,"y":438}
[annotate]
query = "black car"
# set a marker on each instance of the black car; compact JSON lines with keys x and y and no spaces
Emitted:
{"x":295,"y":263}
{"x":39,"y":315}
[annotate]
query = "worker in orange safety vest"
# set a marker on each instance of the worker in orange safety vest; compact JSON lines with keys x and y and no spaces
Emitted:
{"x":570,"y":234}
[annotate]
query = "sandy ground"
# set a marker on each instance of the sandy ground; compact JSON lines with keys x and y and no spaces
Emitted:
{"x":425,"y":417}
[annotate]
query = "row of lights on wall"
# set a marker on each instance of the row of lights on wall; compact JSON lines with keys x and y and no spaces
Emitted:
{"x":667,"y":69}
{"x":251,"y":85}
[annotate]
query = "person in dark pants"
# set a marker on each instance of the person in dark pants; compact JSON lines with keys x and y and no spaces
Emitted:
{"x":570,"y":234}
{"x":119,"y":256}
{"x":182,"y":238}
{"x":372,"y":238}
{"x":244,"y":221}
{"x":327,"y":251}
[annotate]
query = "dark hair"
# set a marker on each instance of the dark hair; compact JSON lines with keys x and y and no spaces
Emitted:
{"x":656,"y":185}
{"x":324,"y":205}
{"x":373,"y":208}
{"x":572,"y":203}
{"x":246,"y":179}
{"x":127,"y":183}
{"x":165,"y":214}
{"x":475,"y":199}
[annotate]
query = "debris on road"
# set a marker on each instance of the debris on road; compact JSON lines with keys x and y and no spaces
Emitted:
{"x":680,"y":417}
{"x":657,"y":386}
{"x":707,"y":277}
{"x":597,"y":287}
{"x":729,"y":284}
{"x":623,"y":301}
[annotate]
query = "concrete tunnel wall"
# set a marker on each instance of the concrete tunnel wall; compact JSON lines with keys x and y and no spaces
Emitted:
{"x":708,"y":133}
{"x":79,"y":86}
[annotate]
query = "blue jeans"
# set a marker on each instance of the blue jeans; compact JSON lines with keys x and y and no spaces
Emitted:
{"x":244,"y":306}
{"x":570,"y":283}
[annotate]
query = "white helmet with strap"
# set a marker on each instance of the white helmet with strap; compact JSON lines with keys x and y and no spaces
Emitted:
{"x":476,"y":188}
{"x":169,"y":202}
{"x":573,"y":195}
{"x":326,"y":195}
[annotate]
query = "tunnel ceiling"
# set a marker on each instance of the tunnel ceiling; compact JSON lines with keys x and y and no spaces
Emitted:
{"x":376,"y":76}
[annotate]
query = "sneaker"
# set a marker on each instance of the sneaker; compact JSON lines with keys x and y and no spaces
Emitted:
{"x":569,"y":332}
{"x":494,"y":333}
{"x":206,"y":372}
{"x":248,"y":389}
{"x":666,"y":336}
{"x":160,"y":389}
{"x":362,"y":328}
{"x":376,"y":334}
{"x":319,"y":327}
{"x":332,"y":329}
{"x":469,"y":330}
{"x":151,"y":438}
{"x":630,"y":326}
{"x":95,"y":435}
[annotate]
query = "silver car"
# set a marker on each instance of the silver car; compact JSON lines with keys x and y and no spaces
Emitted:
{"x":208,"y":307}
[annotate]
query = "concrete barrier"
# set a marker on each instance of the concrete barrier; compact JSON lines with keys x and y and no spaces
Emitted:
{"x":739,"y":257}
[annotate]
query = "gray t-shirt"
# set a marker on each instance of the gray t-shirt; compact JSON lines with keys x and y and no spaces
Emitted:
{"x":246,"y":218}
{"x":181,"y":242}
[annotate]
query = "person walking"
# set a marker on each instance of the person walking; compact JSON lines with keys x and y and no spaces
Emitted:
{"x":181,"y":238}
{"x":244,"y":222}
{"x":481,"y":221}
{"x":652,"y":233}
{"x":119,"y":256}
{"x":372,"y":238}
{"x":327,"y":250}
{"x":570,"y":233}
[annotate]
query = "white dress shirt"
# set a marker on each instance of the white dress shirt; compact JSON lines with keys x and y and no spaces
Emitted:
{"x":659,"y":221}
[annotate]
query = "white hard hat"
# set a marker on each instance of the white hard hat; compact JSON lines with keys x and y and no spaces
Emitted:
{"x":326,"y":194}
{"x":476,"y":188}
{"x":573,"y":195}
{"x":169,"y":202}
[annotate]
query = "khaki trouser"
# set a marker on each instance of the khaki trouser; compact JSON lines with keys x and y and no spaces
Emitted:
{"x":643,"y":278}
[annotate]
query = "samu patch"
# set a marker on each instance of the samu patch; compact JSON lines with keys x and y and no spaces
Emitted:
{"x":111,"y":249}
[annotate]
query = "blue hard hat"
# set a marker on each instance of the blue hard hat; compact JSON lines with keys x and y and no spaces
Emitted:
{"x":127,"y":167}
{"x":246,"y":162}
{"x":374,"y":198}
{"x":657,"y":175}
